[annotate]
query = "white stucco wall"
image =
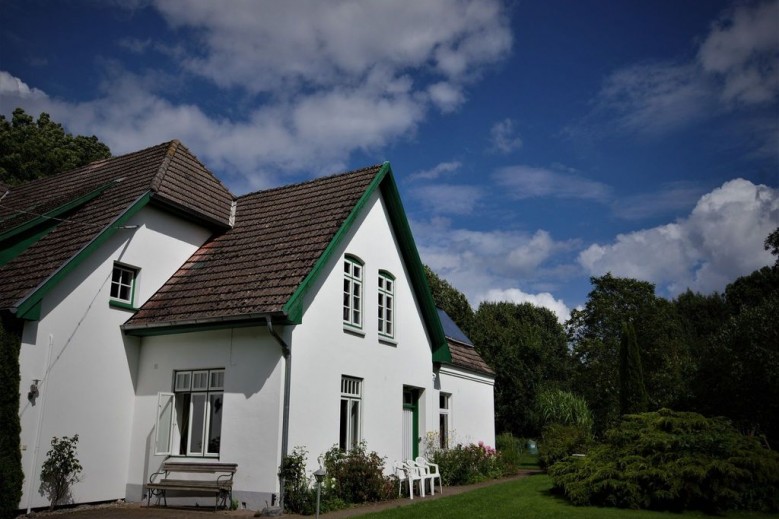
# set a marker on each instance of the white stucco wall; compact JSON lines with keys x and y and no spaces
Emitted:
{"x":86,"y":366}
{"x":251,"y":414}
{"x":322,"y":351}
{"x":472,"y":409}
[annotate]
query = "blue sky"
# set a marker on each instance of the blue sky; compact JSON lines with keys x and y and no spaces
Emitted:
{"x":535,"y":143}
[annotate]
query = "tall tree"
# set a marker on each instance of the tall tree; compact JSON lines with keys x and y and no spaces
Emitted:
{"x":34,"y":149}
{"x":594,"y":333}
{"x":526,"y":347}
{"x":450,"y":300}
{"x":632,"y":392}
{"x":772,"y":245}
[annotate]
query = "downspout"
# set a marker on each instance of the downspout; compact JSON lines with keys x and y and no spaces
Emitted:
{"x":287,"y":353}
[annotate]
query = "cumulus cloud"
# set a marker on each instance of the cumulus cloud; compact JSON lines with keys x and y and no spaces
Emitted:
{"x":503,"y":137}
{"x":735,"y":66}
{"x":543,"y":299}
{"x":319,"y":81}
{"x":480,"y":263}
{"x":719,"y":241}
{"x":530,"y":182}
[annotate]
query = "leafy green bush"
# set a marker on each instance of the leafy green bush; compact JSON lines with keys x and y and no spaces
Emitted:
{"x":465,"y":464}
{"x":560,"y":441}
{"x":555,"y":406}
{"x":357,"y":476}
{"x":300,"y":489}
{"x":60,"y":470}
{"x":11,"y":475}
{"x":510,"y":450}
{"x":676,"y":461}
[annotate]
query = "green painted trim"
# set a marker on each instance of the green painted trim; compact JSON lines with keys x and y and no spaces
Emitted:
{"x":385,"y":181}
{"x":199,"y":327}
{"x":121,"y":305}
{"x":9,"y":253}
{"x":47,"y":217}
{"x":414,"y":408}
{"x":408,"y":250}
{"x":34,"y":298}
{"x":294,"y":307}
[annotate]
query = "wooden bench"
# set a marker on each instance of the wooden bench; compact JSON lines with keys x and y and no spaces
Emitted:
{"x":222,"y":487}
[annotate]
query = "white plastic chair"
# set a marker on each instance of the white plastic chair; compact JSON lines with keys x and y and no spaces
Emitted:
{"x":410,"y":474}
{"x":431,"y":472}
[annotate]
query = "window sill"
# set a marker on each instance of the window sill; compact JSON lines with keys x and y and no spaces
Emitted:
{"x":353,"y":331}
{"x":122,"y":306}
{"x":389,"y":341}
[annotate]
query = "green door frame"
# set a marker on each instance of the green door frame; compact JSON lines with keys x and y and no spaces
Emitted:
{"x":413,"y":406}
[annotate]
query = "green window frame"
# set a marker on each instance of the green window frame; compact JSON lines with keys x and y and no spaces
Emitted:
{"x":353,"y":291}
{"x":123,"y":283}
{"x":386,"y":304}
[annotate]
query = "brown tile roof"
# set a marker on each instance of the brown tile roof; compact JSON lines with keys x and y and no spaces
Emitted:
{"x":255,"y":267}
{"x":467,"y":357}
{"x":167,"y":171}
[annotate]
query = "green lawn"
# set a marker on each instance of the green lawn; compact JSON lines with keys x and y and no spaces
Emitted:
{"x":527,"y":498}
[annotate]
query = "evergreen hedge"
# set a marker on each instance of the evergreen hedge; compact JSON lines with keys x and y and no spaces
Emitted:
{"x":11,"y":475}
{"x":669,"y":460}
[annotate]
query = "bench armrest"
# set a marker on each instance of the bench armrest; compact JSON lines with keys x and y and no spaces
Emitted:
{"x":154,"y":476}
{"x":225,"y":478}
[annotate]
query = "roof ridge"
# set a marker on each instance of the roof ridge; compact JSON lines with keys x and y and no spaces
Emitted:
{"x":313,"y":180}
{"x":173,"y":147}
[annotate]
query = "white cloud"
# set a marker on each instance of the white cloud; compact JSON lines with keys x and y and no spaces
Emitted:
{"x":543,"y":299}
{"x":439,"y":170}
{"x":529,"y":182}
{"x":742,"y":48}
{"x":503,"y":137}
{"x":719,"y":241}
{"x":479,"y":263}
{"x":448,"y":198}
{"x":318,"y":81}
{"x":735,"y":65}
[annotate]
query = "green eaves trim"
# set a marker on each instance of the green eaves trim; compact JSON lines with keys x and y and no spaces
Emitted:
{"x":23,"y":310}
{"x":47,"y":217}
{"x":386,"y":182}
{"x":416,"y":271}
{"x":294,"y":307}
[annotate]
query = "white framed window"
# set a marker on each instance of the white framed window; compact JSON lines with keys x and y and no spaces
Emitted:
{"x":189,"y":420}
{"x":123,"y":280}
{"x":386,"y":304}
{"x":444,"y":408}
{"x":351,"y":398}
{"x":352,"y":309}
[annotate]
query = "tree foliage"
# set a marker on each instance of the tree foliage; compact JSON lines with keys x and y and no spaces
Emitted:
{"x":451,"y":301}
{"x":632,"y":392}
{"x":669,"y":460}
{"x":526,"y":347}
{"x":11,"y":475}
{"x":32,"y":149}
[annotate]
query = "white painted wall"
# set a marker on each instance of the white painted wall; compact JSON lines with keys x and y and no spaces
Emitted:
{"x":86,"y":366}
{"x":251,"y":415}
{"x":322,"y":351}
{"x":472,"y":408}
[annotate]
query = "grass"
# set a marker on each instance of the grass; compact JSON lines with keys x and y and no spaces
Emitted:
{"x":529,"y":498}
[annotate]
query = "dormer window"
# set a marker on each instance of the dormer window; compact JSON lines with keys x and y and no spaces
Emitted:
{"x":123,"y":281}
{"x":352,"y":309}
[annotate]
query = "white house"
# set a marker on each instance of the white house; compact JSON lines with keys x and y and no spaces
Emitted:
{"x":165,"y":318}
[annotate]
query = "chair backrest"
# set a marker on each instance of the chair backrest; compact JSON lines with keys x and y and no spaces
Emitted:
{"x":422,"y":462}
{"x":400,"y":469}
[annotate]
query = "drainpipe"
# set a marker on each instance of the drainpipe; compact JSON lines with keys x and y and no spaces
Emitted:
{"x":287,"y":353}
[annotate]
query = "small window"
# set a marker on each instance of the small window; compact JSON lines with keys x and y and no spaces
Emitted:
{"x":351,"y":396}
{"x":386,"y":304}
{"x":352,"y":308}
{"x":443,"y":419}
{"x":123,"y":284}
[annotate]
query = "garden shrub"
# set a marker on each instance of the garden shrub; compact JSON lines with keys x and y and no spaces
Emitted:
{"x":560,"y":441}
{"x":60,"y":470}
{"x":465,"y":464}
{"x":510,"y":451}
{"x":358,"y":476}
{"x":300,"y":489}
{"x":675,"y":461}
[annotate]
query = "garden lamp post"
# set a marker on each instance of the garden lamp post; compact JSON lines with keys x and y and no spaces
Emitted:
{"x":319,"y":474}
